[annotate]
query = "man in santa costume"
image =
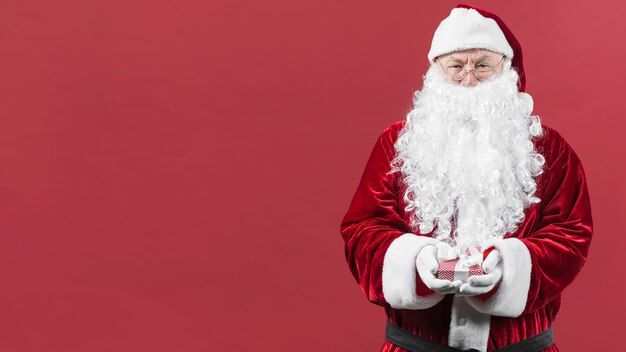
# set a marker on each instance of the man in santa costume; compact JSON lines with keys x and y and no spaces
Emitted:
{"x":470,"y":172}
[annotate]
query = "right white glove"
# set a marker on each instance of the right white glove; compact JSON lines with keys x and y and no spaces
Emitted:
{"x":427,"y":265}
{"x":477,"y":285}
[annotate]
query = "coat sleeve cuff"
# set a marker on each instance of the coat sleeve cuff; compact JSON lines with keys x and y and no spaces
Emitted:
{"x":509,"y":299}
{"x":400,"y":278}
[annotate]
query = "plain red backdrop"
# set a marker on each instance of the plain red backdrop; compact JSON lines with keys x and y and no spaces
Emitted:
{"x":173,"y":173}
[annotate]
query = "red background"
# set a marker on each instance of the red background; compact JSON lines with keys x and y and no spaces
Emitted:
{"x":173,"y":173}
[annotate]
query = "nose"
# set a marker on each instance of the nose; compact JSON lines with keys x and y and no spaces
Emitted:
{"x":469,"y":80}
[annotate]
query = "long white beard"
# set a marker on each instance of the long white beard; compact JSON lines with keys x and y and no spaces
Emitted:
{"x":467,"y":158}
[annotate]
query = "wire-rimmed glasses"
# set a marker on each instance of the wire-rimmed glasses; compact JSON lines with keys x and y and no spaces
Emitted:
{"x":482,"y":71}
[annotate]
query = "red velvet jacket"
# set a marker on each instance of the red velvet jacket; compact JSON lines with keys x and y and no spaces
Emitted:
{"x":540,"y":259}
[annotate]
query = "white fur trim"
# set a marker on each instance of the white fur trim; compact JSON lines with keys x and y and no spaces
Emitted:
{"x":512,"y":294}
{"x":468,"y":327}
{"x":468,"y":29}
{"x":400,"y":273}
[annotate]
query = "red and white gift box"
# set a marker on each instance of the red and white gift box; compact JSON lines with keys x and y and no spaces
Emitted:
{"x":456,"y":269}
{"x":453,"y":268}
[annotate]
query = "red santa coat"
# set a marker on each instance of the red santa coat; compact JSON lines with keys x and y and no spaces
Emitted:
{"x":540,"y":259}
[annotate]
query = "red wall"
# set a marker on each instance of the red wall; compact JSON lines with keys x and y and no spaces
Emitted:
{"x":173,"y":173}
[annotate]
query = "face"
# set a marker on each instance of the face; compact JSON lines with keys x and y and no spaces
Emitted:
{"x":469,"y":60}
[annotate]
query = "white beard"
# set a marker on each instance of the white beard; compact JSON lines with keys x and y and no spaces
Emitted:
{"x":467,"y":158}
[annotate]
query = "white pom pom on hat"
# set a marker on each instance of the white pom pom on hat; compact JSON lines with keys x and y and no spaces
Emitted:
{"x":470,"y":27}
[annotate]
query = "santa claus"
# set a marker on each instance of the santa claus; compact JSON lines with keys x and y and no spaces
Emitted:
{"x":472,"y":172}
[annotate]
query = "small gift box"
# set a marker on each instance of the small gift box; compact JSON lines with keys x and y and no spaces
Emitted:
{"x":453,"y":267}
{"x":456,"y":269}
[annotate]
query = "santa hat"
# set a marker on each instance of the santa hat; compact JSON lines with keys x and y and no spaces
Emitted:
{"x":470,"y":27}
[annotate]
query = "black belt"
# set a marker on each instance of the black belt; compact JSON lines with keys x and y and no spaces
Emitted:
{"x":414,"y":343}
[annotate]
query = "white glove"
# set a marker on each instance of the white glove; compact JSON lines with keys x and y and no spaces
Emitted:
{"x":427,"y":266}
{"x":477,"y":285}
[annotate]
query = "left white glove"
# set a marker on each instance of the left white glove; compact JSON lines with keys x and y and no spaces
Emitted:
{"x":427,"y":265}
{"x":480,"y":284}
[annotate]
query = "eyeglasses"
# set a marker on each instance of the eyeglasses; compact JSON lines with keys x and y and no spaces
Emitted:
{"x":458,"y":72}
